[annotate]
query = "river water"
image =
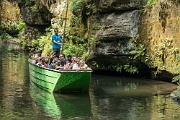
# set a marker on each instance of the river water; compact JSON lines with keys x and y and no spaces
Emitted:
{"x":109,"y":98}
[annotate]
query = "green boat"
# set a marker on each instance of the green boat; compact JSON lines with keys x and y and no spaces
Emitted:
{"x":60,"y":80}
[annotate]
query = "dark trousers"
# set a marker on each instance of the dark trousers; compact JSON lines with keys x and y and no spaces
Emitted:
{"x":57,"y":51}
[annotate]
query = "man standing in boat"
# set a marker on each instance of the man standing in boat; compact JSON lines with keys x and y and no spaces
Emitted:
{"x":56,"y":42}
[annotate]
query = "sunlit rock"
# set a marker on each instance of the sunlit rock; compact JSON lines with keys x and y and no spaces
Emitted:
{"x":9,"y":16}
{"x":117,"y":5}
{"x":35,"y":18}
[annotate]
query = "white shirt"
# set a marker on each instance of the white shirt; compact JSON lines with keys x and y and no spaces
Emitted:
{"x":75,"y":66}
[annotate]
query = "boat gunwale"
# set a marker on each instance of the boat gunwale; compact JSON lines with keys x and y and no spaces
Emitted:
{"x":59,"y":71}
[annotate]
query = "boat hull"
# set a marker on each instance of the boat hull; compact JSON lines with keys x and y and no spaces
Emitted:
{"x":60,"y":81}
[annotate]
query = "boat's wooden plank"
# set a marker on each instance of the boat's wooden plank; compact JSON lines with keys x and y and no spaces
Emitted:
{"x":43,"y":77}
{"x":78,"y":85}
{"x":81,"y":79}
{"x":44,"y":71}
{"x":44,"y":85}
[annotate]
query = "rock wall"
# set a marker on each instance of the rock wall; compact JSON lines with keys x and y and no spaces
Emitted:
{"x":9,"y":16}
{"x":119,"y":5}
{"x":42,"y":12}
{"x":121,"y":22}
{"x":160,"y":30}
{"x":35,"y":13}
{"x":156,"y":23}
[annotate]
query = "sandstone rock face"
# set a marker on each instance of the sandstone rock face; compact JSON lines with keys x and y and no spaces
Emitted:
{"x":42,"y":12}
{"x":115,"y":38}
{"x":121,"y":22}
{"x":9,"y":16}
{"x":119,"y":25}
{"x":118,"y":5}
{"x":35,"y":18}
{"x":160,"y":36}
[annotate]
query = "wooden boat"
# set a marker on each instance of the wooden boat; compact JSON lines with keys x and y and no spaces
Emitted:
{"x":60,"y":80}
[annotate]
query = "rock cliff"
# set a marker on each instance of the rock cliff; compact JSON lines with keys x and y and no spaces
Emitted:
{"x":121,"y":23}
{"x":120,"y":27}
{"x":160,"y":35}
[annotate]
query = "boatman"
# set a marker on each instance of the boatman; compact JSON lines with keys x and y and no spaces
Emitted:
{"x":56,"y":42}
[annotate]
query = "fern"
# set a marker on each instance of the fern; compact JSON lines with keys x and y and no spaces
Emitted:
{"x":176,"y":79}
{"x":77,"y":5}
{"x":21,"y":25}
{"x":131,"y":69}
{"x":139,"y":53}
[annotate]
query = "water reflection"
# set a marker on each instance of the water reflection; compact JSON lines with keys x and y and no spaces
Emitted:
{"x":74,"y":106}
{"x":67,"y":106}
{"x":175,"y":95}
{"x":132,"y":99}
{"x":162,"y":108}
{"x":44,"y":101}
{"x":13,"y":83}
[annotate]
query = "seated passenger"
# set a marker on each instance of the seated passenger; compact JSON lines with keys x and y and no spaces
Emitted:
{"x":31,"y":56}
{"x":83,"y":65}
{"x":69,"y":59}
{"x":52,"y":57}
{"x":75,"y":65}
{"x":39,"y":61}
{"x":68,"y":63}
{"x":53,"y":64}
{"x":35,"y":59}
{"x":46,"y":62}
{"x":37,"y":55}
{"x":61,"y":62}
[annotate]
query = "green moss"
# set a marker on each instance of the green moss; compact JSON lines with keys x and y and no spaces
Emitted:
{"x":5,"y":36}
{"x":34,"y":8}
{"x":176,"y":79}
{"x":27,"y":2}
{"x":150,"y":3}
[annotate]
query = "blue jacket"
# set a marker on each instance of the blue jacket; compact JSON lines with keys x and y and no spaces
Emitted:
{"x":56,"y":38}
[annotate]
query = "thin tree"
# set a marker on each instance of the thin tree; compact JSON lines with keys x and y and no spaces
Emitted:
{"x":0,"y":12}
{"x":65,"y":24}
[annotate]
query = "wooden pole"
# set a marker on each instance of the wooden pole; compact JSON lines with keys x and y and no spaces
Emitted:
{"x":0,"y":11}
{"x":65,"y":25}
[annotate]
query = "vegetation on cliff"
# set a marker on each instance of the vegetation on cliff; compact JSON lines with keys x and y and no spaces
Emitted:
{"x":11,"y":22}
{"x":75,"y":41}
{"x":159,"y":34}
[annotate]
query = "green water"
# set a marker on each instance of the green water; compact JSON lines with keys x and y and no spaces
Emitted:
{"x":109,"y":98}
